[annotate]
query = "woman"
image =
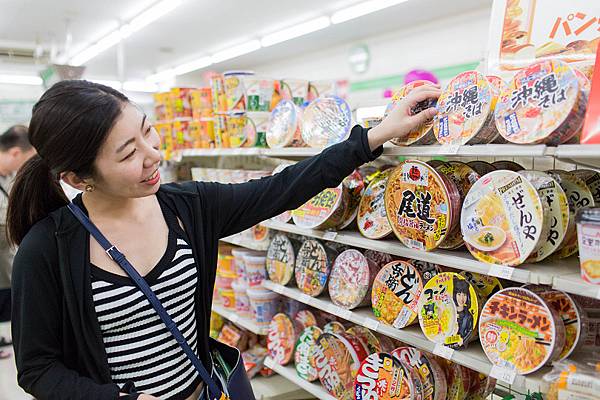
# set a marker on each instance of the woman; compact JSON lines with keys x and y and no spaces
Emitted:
{"x":464,"y":318}
{"x":81,"y":329}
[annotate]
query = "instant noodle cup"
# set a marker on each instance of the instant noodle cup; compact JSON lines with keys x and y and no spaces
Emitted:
{"x":428,"y":270}
{"x":255,"y":129}
{"x":324,"y":211}
{"x":508,"y":165}
{"x":235,"y":90}
{"x":464,"y":177}
{"x":221,"y":134}
{"x":281,"y":258}
{"x":556,"y":213}
{"x":219,"y":98}
{"x":161,"y":100}
{"x":502,"y":219}
{"x":284,"y":127}
{"x":381,"y":376}
{"x":421,"y":205}
{"x":396,"y":293}
{"x":242,"y":301}
{"x":481,"y":167}
{"x":544,"y":103}
{"x":485,"y":285}
{"x":290,"y":307}
{"x":592,"y":180}
{"x":423,"y":135}
{"x":369,"y":340}
{"x":313,"y":264}
{"x":227,"y":297}
{"x":202,"y":133}
{"x":387,"y":344}
{"x":326,"y":121}
{"x":458,"y":379}
{"x":578,"y":196}
{"x":259,"y":93}
{"x":519,"y":331}
{"x":295,"y":90}
{"x":304,"y":355}
{"x":432,"y":375}
{"x":466,"y":111}
{"x":281,"y":339}
{"x":236,"y":128}
{"x":201,"y":102}
{"x":338,"y":357}
{"x":588,"y":232}
{"x":334,"y":327}
{"x":304,"y":319}
{"x":378,"y":257}
{"x":320,"y":88}
{"x":482,"y":386}
{"x":351,"y":278}
{"x":255,"y":269}
{"x":354,"y":186}
{"x":264,"y":304}
{"x":182,"y":135}
{"x":449,"y":310}
{"x":180,"y":100}
{"x":372,"y":217}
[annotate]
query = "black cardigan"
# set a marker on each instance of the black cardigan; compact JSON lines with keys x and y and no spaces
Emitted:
{"x":58,"y":343}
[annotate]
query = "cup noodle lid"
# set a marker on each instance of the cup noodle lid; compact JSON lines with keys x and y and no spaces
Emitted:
{"x":519,"y":331}
{"x":303,"y":356}
{"x":482,"y":386}
{"x":428,"y":270}
{"x":313,"y":264}
{"x":485,"y":285}
{"x":304,"y":319}
{"x":372,"y":218}
{"x":318,"y":210}
{"x":432,"y":376}
{"x":368,"y":339}
{"x":350,"y":279}
{"x":418,"y":205}
{"x":280,"y":260}
{"x":334,"y":327}
{"x":465,"y":111}
{"x":458,"y":379}
{"x":502,"y":218}
{"x":538,"y":100}
{"x":508,"y":165}
{"x":327,"y":120}
{"x":378,"y":257}
{"x":396,"y":292}
{"x":424,"y":133}
{"x":449,"y":310}
{"x":354,"y":186}
{"x":556,"y":212}
{"x":283,"y":123}
{"x":381,"y":376}
{"x":579,"y":196}
{"x":592,"y":180}
{"x":281,"y":339}
{"x":481,"y":167}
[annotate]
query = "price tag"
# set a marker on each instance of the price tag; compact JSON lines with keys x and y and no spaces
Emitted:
{"x":371,"y":323}
{"x":269,"y":362}
{"x":304,"y":298}
{"x":234,"y":317}
{"x":503,"y":374}
{"x":450,"y":149}
{"x":501,"y":271}
{"x":330,"y":235}
{"x":346,"y":314}
{"x":443,"y":351}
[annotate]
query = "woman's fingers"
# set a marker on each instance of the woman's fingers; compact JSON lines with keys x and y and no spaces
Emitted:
{"x":424,"y":116}
{"x":417,"y":96}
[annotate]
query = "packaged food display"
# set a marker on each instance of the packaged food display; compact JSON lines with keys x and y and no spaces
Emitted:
{"x":259,"y":93}
{"x":572,"y":380}
{"x":424,"y":134}
{"x":421,"y":204}
{"x":458,"y":379}
{"x":325,"y":210}
{"x":519,"y":331}
{"x":180,"y":98}
{"x":242,"y":301}
{"x":578,"y":196}
{"x":508,"y":165}
{"x":235,"y":90}
{"x":326,"y":121}
{"x":281,"y":339}
{"x":255,"y":129}
{"x":295,"y":90}
{"x":255,"y":268}
{"x":396,"y":292}
{"x":372,"y":218}
{"x":304,"y":354}
{"x":434,"y":385}
{"x":381,"y":376}
{"x":502,"y":218}
{"x":291,"y":308}
{"x":378,"y":257}
{"x":481,"y":167}
{"x":201,"y":102}
{"x":428,"y":270}
{"x":321,"y":88}
{"x":264,"y":304}
{"x":219,"y":99}
{"x":354,"y":185}
{"x":313,"y":264}
{"x":254,"y":360}
{"x":485,"y":285}
{"x":181,"y":134}
{"x":482,"y":386}
{"x":449,"y":310}
{"x":588,"y":232}
{"x":351,"y":278}
{"x":592,"y":180}
{"x":556,"y":213}
{"x":285,"y":126}
{"x":236,"y":128}
{"x":466,"y":111}
{"x":281,"y":258}
{"x":304,"y":319}
{"x":334,"y":327}
{"x":544,"y":103}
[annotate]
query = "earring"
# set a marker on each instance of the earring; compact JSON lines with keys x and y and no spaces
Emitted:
{"x":89,"y":188}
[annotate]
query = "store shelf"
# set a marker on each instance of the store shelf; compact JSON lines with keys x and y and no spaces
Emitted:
{"x":245,"y":323}
{"x":582,"y":154}
{"x":236,"y":241}
{"x":573,"y":283}
{"x":472,"y":357}
{"x":277,"y":387}
{"x":290,"y":374}
{"x":539,"y":273}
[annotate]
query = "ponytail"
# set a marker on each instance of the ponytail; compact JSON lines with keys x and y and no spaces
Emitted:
{"x":34,"y":195}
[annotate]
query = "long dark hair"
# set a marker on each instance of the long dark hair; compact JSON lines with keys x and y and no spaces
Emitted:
{"x":68,"y":125}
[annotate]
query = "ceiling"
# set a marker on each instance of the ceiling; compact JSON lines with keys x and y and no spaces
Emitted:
{"x":196,"y":28}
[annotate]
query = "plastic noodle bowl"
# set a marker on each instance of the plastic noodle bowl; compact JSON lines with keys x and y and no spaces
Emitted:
{"x":508,"y":165}
{"x":556,"y":213}
{"x":313,"y":265}
{"x":324,"y":211}
{"x":544,"y":103}
{"x":284,"y":128}
{"x":281,"y":258}
{"x":484,"y":285}
{"x":255,"y":269}
{"x":285,"y":216}
{"x":351,"y":278}
{"x":449,"y":310}
{"x":502,"y":219}
{"x":481,"y":167}
{"x":432,"y":375}
{"x":305,"y":318}
{"x":458,"y":379}
{"x":422,"y":135}
{"x":466,"y":111}
{"x":242,"y":301}
{"x":264,"y":304}
{"x":235,"y":91}
{"x":334,"y":327}
{"x":592,"y":180}
{"x":381,"y":376}
{"x":281,"y":339}
{"x":369,"y":340}
{"x":295,"y":90}
{"x":372,"y":217}
{"x":255,"y":129}
{"x":304,"y":354}
{"x":396,"y":293}
{"x":422,"y":205}
{"x":579,"y":196}
{"x":259,"y":93}
{"x":588,"y":233}
{"x":326,"y":121}
{"x":525,"y":339}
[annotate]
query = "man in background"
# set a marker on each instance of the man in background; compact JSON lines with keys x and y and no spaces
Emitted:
{"x":15,"y":150}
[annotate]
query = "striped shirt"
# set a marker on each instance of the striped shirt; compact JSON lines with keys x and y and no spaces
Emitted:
{"x":138,"y":345}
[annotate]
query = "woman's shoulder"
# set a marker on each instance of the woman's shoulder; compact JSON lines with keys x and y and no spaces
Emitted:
{"x":37,"y":249}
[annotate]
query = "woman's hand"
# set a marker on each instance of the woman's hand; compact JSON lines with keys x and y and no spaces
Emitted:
{"x":401,"y":121}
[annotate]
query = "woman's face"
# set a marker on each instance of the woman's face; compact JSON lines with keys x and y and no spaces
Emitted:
{"x":127,"y":163}
{"x":461,"y":298}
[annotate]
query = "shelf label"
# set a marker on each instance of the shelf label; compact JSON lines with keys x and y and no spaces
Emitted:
{"x":269,"y":363}
{"x":449,"y":149}
{"x":329,"y":235}
{"x":503,"y":374}
{"x":346,"y":314}
{"x":304,"y":298}
{"x":233,"y":317}
{"x":371,"y":323}
{"x":501,"y":271}
{"x":443,"y":351}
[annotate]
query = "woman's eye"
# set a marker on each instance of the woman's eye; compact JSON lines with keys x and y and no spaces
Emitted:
{"x":149,"y":130}
{"x":129,"y":155}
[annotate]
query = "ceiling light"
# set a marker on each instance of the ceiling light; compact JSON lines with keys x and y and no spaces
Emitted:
{"x":140,"y":86}
{"x":21,"y":79}
{"x":362,"y":9}
{"x":295,"y":31}
{"x":153,"y":13}
{"x":193,"y":65}
{"x":236,"y":51}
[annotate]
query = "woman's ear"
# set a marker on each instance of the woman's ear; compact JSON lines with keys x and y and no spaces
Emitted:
{"x":71,"y":179}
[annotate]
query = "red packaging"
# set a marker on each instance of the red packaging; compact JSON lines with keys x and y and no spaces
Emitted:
{"x":591,"y":126}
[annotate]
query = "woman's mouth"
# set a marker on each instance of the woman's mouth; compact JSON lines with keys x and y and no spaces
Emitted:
{"x":152,"y":179}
